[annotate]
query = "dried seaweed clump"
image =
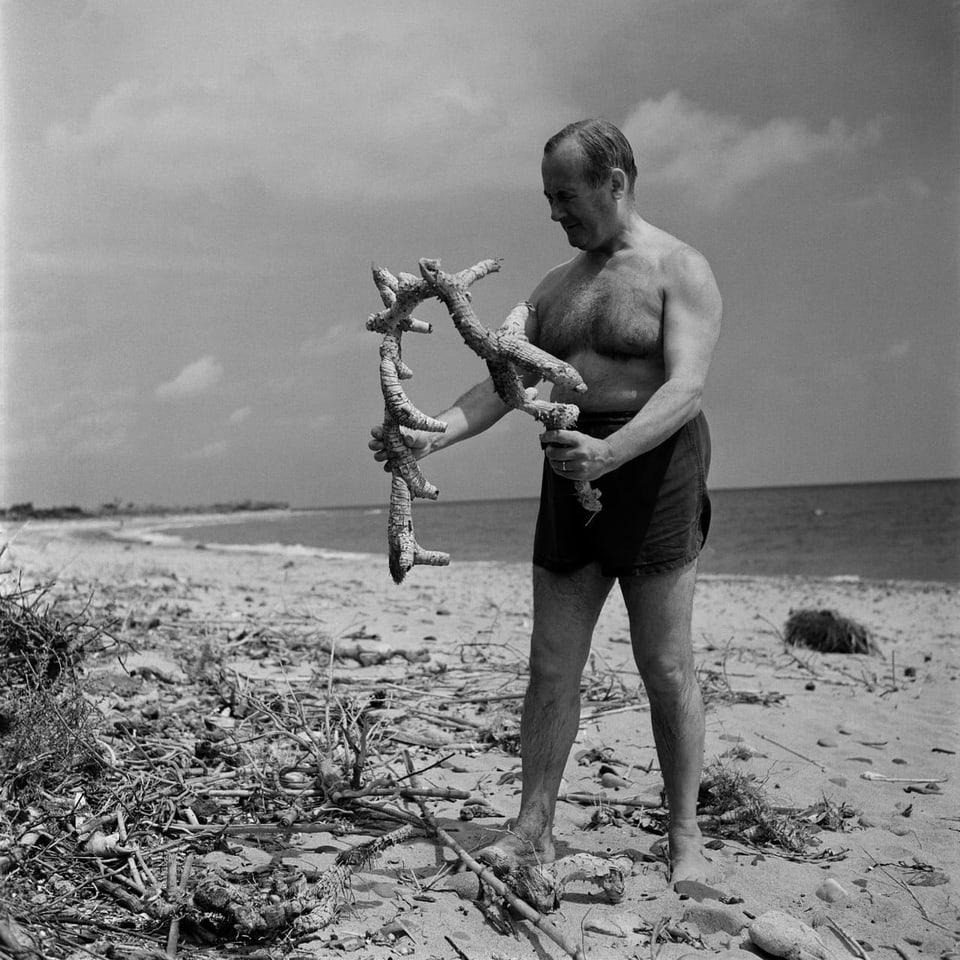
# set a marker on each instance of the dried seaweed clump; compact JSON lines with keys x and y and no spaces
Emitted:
{"x":46,"y":724}
{"x":826,"y":631}
{"x":733,"y":805}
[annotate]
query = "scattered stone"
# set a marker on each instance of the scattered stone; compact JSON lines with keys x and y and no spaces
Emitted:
{"x":609,"y":927}
{"x":710,"y":918}
{"x":826,"y":742}
{"x":465,"y":885}
{"x":865,"y":820}
{"x":831,"y":891}
{"x":899,"y":829}
{"x":781,"y":935}
{"x":612,"y":782}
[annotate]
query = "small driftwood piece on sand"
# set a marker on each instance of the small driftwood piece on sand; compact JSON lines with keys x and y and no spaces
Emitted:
{"x":506,"y":352}
{"x":487,"y":876}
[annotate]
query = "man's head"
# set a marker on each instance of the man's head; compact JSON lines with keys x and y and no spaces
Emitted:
{"x":588,"y":176}
{"x":603,"y":148}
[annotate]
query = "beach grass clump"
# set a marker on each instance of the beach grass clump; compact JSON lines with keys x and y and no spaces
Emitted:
{"x":47,"y":726}
{"x":827,"y":632}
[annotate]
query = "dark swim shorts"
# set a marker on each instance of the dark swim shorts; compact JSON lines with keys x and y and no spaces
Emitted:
{"x":656,"y":510}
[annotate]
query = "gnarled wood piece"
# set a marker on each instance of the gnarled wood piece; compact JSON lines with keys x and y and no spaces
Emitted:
{"x":401,"y":295}
{"x":403,"y":550}
{"x":392,"y":371}
{"x":507,"y":349}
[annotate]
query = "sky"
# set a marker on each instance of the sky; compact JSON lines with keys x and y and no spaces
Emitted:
{"x":193,"y":194}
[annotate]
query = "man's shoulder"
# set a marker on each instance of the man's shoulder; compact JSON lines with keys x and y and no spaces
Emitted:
{"x":554,"y":278}
{"x":677,"y":260}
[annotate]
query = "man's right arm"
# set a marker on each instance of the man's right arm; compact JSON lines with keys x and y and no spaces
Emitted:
{"x":477,"y":410}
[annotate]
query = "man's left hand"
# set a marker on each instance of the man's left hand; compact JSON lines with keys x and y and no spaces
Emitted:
{"x":577,"y":456}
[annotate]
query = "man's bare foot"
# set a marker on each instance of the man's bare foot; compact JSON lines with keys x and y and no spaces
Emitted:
{"x":688,"y":860}
{"x":513,"y":850}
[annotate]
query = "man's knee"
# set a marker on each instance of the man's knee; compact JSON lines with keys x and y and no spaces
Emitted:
{"x":666,"y":669}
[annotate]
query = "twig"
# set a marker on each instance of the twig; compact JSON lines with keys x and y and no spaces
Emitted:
{"x":849,"y":942}
{"x":790,"y":750}
{"x":906,"y":886}
{"x":497,"y":885}
{"x":870,"y":775}
{"x":595,"y":799}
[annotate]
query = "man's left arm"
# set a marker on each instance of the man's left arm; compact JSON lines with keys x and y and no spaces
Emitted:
{"x":691,"y":326}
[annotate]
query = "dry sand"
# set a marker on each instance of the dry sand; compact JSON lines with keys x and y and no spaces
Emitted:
{"x":813,"y":724}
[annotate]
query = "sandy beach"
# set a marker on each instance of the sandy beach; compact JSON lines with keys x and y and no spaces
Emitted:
{"x":806,"y":726}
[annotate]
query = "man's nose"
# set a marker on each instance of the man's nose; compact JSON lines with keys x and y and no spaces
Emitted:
{"x":555,"y":214}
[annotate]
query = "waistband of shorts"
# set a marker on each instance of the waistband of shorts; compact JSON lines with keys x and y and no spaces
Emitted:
{"x":602,"y":417}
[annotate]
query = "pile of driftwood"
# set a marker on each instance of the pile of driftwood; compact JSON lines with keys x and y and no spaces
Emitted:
{"x":143,"y":812}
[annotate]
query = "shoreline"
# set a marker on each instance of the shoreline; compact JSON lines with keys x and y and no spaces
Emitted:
{"x":149,"y":530}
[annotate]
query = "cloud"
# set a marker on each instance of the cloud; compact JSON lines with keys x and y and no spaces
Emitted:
{"x":239,"y":415}
{"x":193,"y":379}
{"x":330,"y":114}
{"x":893,"y":194}
{"x":339,"y":338}
{"x":710,"y":156}
{"x":898,"y":351}
{"x":208,"y":451}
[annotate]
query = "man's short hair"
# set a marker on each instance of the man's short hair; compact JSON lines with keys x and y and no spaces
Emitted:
{"x":603,"y":146}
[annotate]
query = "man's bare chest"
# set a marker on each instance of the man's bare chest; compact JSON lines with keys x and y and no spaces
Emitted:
{"x":612,"y":315}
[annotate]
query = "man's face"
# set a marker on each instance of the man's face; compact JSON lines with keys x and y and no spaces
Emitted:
{"x":586,"y":213}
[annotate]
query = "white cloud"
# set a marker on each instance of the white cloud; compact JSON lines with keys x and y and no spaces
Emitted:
{"x":208,"y":451}
{"x":710,"y":155}
{"x":340,"y":337}
{"x":193,"y":379}
{"x":239,"y":415}
{"x":330,"y":114}
{"x":894,"y":193}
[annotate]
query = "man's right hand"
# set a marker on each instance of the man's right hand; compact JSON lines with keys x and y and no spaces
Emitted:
{"x":417,"y":441}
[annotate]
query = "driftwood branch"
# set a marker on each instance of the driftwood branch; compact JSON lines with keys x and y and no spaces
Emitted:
{"x":506,"y":352}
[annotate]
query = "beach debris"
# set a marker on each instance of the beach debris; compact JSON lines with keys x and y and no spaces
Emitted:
{"x":506,"y":352}
{"x":827,"y":632}
{"x":543,"y":885}
{"x":882,"y":778}
{"x":733,"y":806}
{"x":491,"y":881}
{"x":781,"y":935}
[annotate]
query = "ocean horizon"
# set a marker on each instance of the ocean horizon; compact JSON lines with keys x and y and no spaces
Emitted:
{"x":887,"y":530}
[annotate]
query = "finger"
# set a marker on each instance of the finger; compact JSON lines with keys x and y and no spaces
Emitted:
{"x":377,"y":431}
{"x":531,"y":393}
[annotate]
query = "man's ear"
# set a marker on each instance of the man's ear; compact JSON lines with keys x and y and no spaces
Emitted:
{"x":618,"y":183}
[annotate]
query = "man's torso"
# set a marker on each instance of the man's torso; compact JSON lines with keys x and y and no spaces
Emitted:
{"x":605,"y":317}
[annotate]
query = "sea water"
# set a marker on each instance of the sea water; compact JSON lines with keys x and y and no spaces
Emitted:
{"x":906,"y":530}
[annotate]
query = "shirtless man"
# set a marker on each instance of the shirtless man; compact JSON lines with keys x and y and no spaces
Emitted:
{"x":637,"y":312}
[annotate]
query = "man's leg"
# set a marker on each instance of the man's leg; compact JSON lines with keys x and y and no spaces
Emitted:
{"x":565,"y":611}
{"x":660,"y":609}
